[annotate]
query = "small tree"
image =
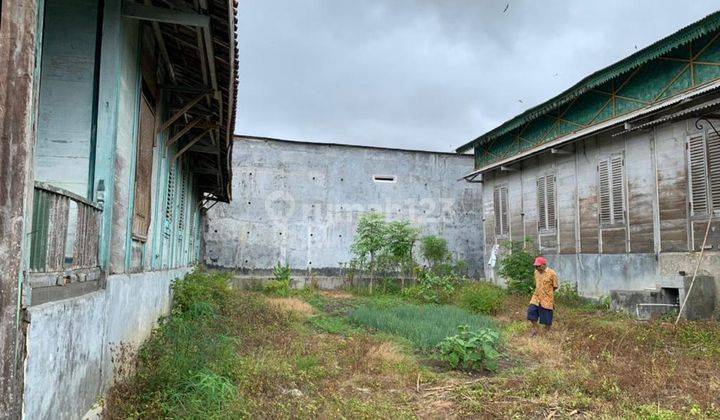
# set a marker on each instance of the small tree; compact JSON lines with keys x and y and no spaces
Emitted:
{"x":400,"y":237}
{"x":517,"y":267}
{"x":369,"y":240}
{"x":435,"y":250}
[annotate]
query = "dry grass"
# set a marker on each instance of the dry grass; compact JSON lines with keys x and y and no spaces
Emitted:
{"x":593,"y":364}
{"x":293,"y":305}
{"x":336,"y":294}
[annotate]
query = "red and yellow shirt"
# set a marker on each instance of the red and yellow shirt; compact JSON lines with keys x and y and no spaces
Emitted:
{"x":545,"y":285}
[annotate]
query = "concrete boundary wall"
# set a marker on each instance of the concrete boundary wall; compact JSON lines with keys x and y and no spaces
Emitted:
{"x":71,"y":343}
{"x":299,"y":203}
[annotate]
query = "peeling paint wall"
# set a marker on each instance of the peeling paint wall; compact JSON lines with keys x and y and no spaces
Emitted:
{"x":648,"y":250}
{"x":299,"y":203}
{"x":74,"y":345}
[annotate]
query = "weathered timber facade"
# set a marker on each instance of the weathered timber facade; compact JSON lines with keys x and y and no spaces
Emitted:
{"x":116,"y":120}
{"x":615,"y":179}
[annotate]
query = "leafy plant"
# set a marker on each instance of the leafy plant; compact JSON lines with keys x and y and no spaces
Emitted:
{"x":282,"y":272}
{"x":400,"y":237}
{"x":568,"y":294}
{"x":482,"y":297}
{"x":369,"y":240}
{"x":432,"y":288}
{"x":435,"y":250}
{"x":471,"y":350}
{"x":280,"y":285}
{"x":517,"y":267}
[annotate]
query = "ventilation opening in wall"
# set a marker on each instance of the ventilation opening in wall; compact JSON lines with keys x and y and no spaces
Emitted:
{"x":384,"y":178}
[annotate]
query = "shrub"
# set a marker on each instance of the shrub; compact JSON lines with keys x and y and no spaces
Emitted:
{"x":517,"y":268}
{"x":423,"y":325}
{"x":471,"y":350}
{"x":280,"y":285}
{"x":568,"y":295}
{"x":210,"y":288}
{"x":432,"y":288}
{"x":434,"y":249}
{"x":482,"y":297}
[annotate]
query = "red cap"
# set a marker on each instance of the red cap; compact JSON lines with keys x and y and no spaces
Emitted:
{"x":539,"y":261}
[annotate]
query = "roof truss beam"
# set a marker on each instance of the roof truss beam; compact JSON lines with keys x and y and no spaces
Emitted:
{"x":134,"y":10}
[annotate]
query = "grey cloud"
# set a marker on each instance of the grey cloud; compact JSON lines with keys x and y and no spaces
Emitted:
{"x":426,"y":74}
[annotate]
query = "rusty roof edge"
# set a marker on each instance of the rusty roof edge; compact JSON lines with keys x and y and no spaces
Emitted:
{"x":232,"y":94}
{"x":595,"y":129}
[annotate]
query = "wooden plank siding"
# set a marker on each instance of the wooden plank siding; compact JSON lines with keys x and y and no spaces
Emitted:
{"x":654,"y":215}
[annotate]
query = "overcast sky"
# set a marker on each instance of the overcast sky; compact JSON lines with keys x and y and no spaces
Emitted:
{"x":426,"y":74}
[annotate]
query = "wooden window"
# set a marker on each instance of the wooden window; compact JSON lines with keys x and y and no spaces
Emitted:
{"x":169,"y":201}
{"x":547,"y":220}
{"x":500,"y":207}
{"x":704,"y":173}
{"x":143,"y":171}
{"x":183,"y":188}
{"x":611,"y":180}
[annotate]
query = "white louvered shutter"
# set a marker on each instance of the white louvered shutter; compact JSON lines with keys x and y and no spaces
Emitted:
{"x":618,"y":209}
{"x":496,"y":210}
{"x":713,"y":164}
{"x":551,"y":202}
{"x":504,"y":210}
{"x":698,"y":175}
{"x":604,"y":192}
{"x":542,"y":206}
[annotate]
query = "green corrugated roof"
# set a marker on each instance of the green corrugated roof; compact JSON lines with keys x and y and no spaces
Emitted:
{"x":685,"y":35}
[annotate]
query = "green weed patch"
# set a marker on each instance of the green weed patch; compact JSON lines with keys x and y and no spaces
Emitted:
{"x":424,"y":325}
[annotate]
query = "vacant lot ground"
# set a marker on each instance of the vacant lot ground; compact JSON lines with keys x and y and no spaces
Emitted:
{"x":324,"y":354}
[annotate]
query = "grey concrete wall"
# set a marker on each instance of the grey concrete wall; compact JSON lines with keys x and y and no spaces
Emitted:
{"x":299,"y":203}
{"x":658,"y":237}
{"x":71,"y":343}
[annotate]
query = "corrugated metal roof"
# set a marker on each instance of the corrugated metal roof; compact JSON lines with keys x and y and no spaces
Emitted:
{"x":675,"y":115}
{"x":690,"y":33}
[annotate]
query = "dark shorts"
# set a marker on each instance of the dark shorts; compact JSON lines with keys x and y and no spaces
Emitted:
{"x":536,"y":313}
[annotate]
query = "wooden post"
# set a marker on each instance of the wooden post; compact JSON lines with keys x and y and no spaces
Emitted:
{"x":18,"y":30}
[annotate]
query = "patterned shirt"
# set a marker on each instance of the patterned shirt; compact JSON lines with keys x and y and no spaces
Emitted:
{"x":545,"y":285}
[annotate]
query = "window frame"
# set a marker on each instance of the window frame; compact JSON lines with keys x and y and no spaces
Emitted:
{"x":710,"y":177}
{"x":141,"y":228}
{"x":502,"y":230}
{"x":610,"y":164}
{"x":545,"y":209}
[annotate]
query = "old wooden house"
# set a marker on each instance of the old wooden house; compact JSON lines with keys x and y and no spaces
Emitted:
{"x":116,"y":122}
{"x":617,"y":179}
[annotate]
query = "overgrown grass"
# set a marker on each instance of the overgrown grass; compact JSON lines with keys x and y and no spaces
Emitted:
{"x":482,"y":297}
{"x":424,"y":325}
{"x":187,"y":367}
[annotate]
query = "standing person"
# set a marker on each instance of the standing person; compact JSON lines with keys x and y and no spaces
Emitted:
{"x":542,"y":302}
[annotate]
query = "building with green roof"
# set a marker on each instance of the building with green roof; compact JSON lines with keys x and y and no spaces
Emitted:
{"x":617,"y":179}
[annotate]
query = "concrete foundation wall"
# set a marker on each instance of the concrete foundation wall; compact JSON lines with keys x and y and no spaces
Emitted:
{"x":71,"y":343}
{"x":658,"y":238}
{"x":299,"y":203}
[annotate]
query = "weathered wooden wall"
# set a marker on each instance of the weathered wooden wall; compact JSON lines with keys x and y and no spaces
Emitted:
{"x":17,"y":76}
{"x":65,"y":109}
{"x":596,"y":257}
